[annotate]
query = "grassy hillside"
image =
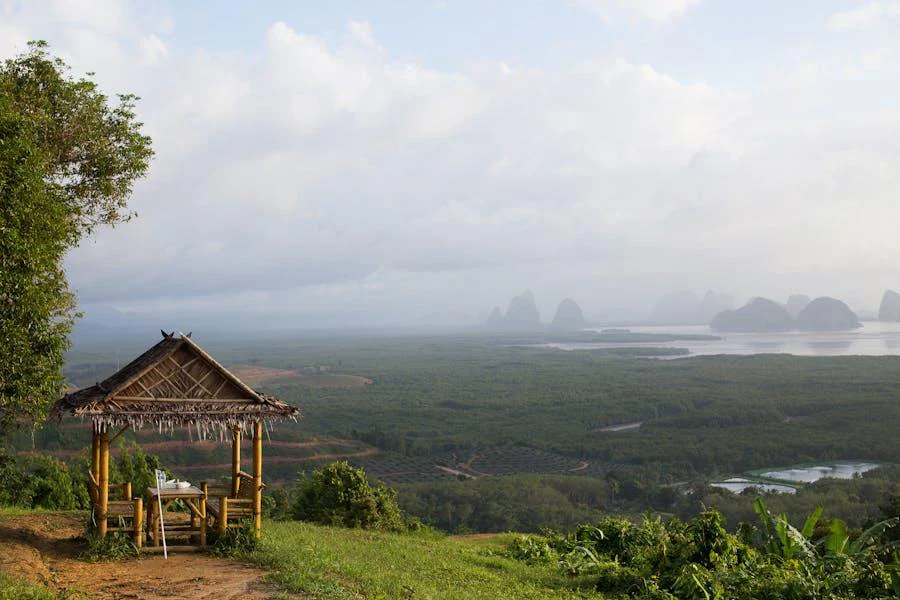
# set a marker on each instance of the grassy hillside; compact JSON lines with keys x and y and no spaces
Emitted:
{"x":329,"y":562}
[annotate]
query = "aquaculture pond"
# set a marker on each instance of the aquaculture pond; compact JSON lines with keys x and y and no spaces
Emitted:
{"x":739,"y":484}
{"x":811,"y":473}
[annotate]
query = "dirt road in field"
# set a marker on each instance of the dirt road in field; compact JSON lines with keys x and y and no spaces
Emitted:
{"x":40,"y":548}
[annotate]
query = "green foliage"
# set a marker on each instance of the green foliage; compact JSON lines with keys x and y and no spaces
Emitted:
{"x":115,"y":546}
{"x":68,"y":161}
{"x":699,"y":559}
{"x":40,"y":482}
{"x":237,"y":541}
{"x":135,"y":466}
{"x":532,"y":549}
{"x":339,"y":494}
{"x":783,"y":539}
{"x":514,"y":503}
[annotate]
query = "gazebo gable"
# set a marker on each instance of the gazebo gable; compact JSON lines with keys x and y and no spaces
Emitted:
{"x":183,"y":372}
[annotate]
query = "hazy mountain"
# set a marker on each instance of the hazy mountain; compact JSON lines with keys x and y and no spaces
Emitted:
{"x":760,"y":314}
{"x":568,"y":315}
{"x":686,"y":307}
{"x":522,"y":312}
{"x":890,"y":306}
{"x":495,"y":319}
{"x":796,"y":303}
{"x":827,"y":314}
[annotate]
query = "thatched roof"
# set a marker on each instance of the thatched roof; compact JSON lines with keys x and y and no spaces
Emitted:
{"x":174,"y":383}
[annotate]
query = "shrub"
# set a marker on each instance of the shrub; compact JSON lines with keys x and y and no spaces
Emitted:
{"x":40,"y":482}
{"x":115,"y":546}
{"x":339,"y":494}
{"x":236,"y":541}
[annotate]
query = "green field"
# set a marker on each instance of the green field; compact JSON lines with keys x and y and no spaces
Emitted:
{"x":444,"y":408}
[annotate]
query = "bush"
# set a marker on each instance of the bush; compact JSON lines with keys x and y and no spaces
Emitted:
{"x":699,"y":559}
{"x":339,"y":494}
{"x":236,"y":541}
{"x":40,"y":482}
{"x":137,"y":467}
{"x":116,"y":546}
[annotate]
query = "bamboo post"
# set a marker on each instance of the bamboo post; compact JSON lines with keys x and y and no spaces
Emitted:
{"x":126,"y":490}
{"x":235,"y":461}
{"x":202,"y":506}
{"x":138,"y":522}
{"x":257,"y":477}
{"x":93,"y":488}
{"x":95,"y":454}
{"x":223,"y":514}
{"x":103,"y":482}
{"x":154,"y":520}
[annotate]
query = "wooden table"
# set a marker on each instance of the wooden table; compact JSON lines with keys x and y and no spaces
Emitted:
{"x":192,"y":497}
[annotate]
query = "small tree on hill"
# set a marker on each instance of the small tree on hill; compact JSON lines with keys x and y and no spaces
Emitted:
{"x":339,"y":494}
{"x":68,"y":161}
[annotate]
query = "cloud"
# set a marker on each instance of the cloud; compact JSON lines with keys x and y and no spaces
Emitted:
{"x":864,"y":16}
{"x":300,"y":174}
{"x":656,"y":11}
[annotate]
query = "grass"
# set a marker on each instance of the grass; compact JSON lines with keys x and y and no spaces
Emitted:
{"x":12,"y":589}
{"x":329,"y":562}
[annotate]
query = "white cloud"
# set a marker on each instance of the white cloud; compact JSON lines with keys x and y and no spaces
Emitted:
{"x":657,"y":11}
{"x":304,"y":173}
{"x":863,"y":16}
{"x":152,"y":49}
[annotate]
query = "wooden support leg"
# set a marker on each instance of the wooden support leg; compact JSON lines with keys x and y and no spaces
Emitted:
{"x":103,"y":481}
{"x":223,"y":515}
{"x":154,"y":521}
{"x":138,"y":523}
{"x":95,"y":462}
{"x":257,"y":477}
{"x":202,"y":505}
{"x":235,"y":461}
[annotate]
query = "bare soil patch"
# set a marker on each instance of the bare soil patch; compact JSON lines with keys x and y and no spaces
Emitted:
{"x":40,"y":548}
{"x":255,"y":375}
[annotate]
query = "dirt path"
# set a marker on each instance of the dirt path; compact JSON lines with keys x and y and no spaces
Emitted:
{"x":40,"y":548}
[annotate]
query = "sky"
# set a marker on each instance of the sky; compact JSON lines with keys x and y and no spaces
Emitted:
{"x":376,"y":163}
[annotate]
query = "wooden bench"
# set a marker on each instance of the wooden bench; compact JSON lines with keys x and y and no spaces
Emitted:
{"x":223,"y":506}
{"x":127,"y":514}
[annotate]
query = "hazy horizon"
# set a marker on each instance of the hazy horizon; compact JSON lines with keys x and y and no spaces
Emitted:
{"x":360,"y":165}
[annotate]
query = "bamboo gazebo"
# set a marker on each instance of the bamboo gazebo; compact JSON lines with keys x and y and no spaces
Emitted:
{"x":172,"y":385}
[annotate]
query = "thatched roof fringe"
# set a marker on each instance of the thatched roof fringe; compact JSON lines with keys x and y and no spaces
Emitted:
{"x":205,"y":428}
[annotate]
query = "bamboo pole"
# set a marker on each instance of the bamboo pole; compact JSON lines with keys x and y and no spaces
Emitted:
{"x":95,"y":454}
{"x":235,"y":462}
{"x":154,"y":520}
{"x":126,"y":490}
{"x":223,"y":514}
{"x":203,"y":520}
{"x":138,"y":522}
{"x":95,"y":467}
{"x":257,"y":477}
{"x":103,"y":481}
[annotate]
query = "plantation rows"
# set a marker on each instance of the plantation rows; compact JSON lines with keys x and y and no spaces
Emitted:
{"x":497,"y":461}
{"x":401,"y":469}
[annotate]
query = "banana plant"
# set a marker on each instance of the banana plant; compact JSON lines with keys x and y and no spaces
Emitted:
{"x":838,"y":541}
{"x":783,"y":539}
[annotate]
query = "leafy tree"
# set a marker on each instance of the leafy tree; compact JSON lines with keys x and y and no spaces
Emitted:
{"x":69,"y":158}
{"x":339,"y":494}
